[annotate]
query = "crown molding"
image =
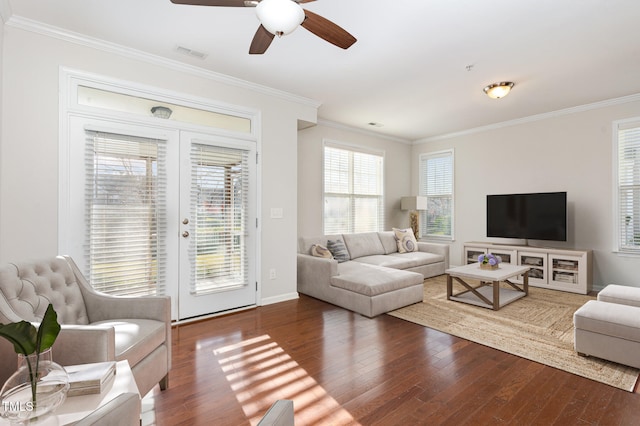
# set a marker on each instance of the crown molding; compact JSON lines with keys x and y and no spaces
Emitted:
{"x":83,"y":40}
{"x":341,"y":126}
{"x":534,"y":118}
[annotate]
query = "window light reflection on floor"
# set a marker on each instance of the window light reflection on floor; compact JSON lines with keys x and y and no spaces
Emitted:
{"x":260,"y":372}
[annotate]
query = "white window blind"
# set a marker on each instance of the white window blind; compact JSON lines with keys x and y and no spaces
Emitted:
{"x":436,"y":183}
{"x":219,"y":200}
{"x":353,"y":190}
{"x":628,"y":191}
{"x":126,"y":205}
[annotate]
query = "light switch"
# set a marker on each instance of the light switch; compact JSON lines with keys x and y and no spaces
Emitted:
{"x":276,"y":213}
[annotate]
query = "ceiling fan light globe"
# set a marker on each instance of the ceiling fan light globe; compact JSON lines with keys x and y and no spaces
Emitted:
{"x":280,"y":17}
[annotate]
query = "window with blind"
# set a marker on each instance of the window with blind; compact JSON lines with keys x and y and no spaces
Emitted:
{"x":219,"y":200}
{"x":627,"y":155}
{"x":126,"y":233}
{"x":353,"y":190}
{"x":436,"y":183}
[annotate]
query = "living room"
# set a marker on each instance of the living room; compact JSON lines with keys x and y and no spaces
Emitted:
{"x":569,"y":149}
{"x":565,"y":150}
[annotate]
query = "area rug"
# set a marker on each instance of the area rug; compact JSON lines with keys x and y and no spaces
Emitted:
{"x":538,"y":327}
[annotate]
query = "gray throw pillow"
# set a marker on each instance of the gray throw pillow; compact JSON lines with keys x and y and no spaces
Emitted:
{"x":338,"y":250}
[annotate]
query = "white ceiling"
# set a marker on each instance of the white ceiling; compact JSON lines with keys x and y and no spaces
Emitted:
{"x":418,"y":67}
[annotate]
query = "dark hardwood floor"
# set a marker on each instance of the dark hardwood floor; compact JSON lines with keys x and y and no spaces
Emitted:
{"x":342,"y":368}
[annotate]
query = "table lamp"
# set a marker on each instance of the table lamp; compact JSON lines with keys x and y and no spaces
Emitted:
{"x":414,"y":204}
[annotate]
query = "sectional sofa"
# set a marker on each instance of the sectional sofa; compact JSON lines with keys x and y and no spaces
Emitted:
{"x":374,"y":278}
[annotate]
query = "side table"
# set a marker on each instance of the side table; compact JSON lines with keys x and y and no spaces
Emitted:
{"x":77,"y":407}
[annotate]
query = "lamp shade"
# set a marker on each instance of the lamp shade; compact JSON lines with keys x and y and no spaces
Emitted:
{"x":279,"y":17}
{"x":413,"y":203}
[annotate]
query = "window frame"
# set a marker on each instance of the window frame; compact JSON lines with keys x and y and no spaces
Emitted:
{"x":619,"y":246}
{"x":351,"y":148}
{"x":423,"y":191}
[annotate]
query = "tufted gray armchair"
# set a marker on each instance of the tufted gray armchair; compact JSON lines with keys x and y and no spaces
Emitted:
{"x":95,"y":326}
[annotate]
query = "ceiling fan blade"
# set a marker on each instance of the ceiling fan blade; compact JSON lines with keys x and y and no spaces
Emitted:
{"x":227,"y":3}
{"x":327,"y":30}
{"x":261,"y":41}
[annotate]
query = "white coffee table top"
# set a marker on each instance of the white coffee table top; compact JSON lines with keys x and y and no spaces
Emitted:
{"x":473,"y":270}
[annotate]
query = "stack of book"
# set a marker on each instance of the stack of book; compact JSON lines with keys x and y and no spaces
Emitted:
{"x":85,"y":379}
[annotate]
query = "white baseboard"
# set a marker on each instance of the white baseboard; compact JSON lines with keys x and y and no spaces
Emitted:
{"x":279,"y":298}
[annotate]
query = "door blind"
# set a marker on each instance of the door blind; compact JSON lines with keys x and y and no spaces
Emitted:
{"x":629,"y":188}
{"x":219,"y":202}
{"x":353,"y":191}
{"x":126,"y":205}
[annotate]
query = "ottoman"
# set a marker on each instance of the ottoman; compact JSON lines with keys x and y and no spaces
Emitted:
{"x":609,"y":331}
{"x":620,"y":294}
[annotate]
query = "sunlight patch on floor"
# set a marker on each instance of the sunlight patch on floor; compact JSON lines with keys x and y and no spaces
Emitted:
{"x":260,"y":372}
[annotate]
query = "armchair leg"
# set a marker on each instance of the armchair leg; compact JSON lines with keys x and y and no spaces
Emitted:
{"x":164,"y":383}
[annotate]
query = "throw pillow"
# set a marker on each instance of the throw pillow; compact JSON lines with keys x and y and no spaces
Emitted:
{"x":406,"y":240}
{"x":318,"y":250}
{"x":338,"y":250}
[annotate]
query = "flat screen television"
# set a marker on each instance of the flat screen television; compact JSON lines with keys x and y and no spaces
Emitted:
{"x":535,"y":216}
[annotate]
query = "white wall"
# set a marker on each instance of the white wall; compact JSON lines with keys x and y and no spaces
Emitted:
{"x":29,"y":144}
{"x":3,"y":5}
{"x":571,"y":151}
{"x":397,"y":179}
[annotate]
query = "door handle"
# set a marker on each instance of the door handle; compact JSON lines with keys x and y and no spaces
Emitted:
{"x":185,"y":234}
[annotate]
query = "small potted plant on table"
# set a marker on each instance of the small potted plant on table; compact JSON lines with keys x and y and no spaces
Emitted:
{"x":489,"y":261}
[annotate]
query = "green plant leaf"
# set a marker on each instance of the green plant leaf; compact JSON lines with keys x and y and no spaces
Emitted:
{"x":48,"y":330}
{"x":22,"y":335}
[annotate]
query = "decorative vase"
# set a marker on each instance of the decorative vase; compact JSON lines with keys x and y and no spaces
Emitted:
{"x":36,"y":389}
{"x":488,"y":266}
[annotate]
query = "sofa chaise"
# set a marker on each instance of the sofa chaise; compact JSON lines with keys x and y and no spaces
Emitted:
{"x":373,"y":277}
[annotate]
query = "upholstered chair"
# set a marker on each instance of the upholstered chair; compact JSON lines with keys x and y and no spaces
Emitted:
{"x":280,"y":414}
{"x":95,"y":326}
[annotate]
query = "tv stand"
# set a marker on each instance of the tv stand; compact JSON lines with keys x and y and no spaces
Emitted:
{"x":553,"y":268}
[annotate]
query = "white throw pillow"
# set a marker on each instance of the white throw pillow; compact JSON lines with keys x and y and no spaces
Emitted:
{"x":406,"y":240}
{"x":318,"y":250}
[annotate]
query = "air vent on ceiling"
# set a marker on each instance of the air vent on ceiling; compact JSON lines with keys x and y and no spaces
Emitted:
{"x":190,"y":52}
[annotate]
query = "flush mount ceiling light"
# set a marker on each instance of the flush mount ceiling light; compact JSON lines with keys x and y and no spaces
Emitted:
{"x":498,"y":90}
{"x":161,"y":112}
{"x":280,"y":17}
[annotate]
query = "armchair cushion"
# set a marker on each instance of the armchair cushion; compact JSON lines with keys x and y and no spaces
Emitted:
{"x":134,"y":337}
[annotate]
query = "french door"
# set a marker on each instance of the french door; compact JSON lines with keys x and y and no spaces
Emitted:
{"x":162,"y":211}
{"x":218,"y":224}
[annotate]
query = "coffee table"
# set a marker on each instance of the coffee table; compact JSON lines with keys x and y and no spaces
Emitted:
{"x":489,"y":294}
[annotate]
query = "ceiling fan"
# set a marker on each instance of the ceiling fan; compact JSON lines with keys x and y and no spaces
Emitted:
{"x":281,"y":17}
